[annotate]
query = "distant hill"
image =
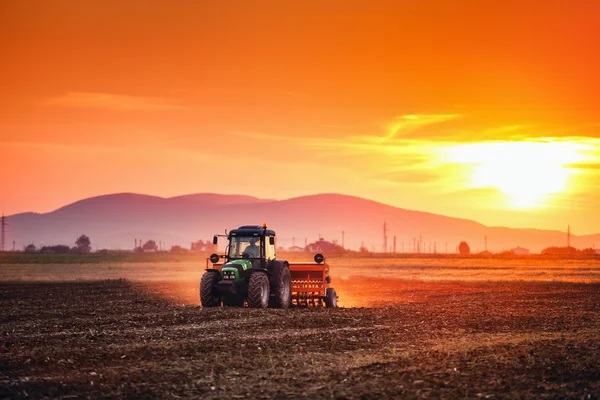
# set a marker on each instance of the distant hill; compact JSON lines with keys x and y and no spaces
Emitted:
{"x":116,"y":220}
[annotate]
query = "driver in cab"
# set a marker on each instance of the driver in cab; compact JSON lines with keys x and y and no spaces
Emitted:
{"x":252,"y":250}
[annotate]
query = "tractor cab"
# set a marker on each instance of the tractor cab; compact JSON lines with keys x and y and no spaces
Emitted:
{"x":249,"y":245}
{"x":253,"y":243}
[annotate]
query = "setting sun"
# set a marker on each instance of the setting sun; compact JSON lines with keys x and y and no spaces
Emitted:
{"x":529,"y":173}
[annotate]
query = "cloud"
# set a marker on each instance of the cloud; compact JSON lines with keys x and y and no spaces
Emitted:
{"x":400,"y":159}
{"x":410,"y":123}
{"x":408,"y":176}
{"x":109,"y":101}
{"x":585,"y":166}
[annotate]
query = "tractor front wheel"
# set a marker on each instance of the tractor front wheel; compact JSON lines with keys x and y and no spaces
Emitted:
{"x":209,"y":295}
{"x":330,"y":298}
{"x":258,"y":290}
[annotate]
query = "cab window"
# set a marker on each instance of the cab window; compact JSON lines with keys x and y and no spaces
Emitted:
{"x":269,"y":250}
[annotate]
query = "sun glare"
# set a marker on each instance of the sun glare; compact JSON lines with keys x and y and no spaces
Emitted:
{"x":529,"y":173}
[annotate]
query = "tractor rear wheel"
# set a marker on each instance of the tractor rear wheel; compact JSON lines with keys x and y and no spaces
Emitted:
{"x":209,"y":296}
{"x":330,"y":298}
{"x":258,"y":290}
{"x":283,"y":290}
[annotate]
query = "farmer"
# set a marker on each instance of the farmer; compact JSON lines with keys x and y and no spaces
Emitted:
{"x":252,"y":249}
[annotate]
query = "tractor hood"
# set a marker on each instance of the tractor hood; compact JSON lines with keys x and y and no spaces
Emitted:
{"x":237,"y":264}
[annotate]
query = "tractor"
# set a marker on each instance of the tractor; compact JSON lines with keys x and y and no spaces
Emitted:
{"x":250,"y":274}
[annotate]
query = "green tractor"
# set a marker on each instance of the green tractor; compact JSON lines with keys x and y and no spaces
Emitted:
{"x":250,"y":273}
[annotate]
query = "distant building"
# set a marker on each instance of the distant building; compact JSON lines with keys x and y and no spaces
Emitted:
{"x":520,"y":251}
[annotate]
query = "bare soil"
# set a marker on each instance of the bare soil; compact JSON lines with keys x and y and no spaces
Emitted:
{"x":118,"y":338}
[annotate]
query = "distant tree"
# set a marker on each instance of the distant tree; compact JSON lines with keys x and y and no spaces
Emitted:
{"x":323,"y":246}
{"x":178,"y":249}
{"x":150,"y":245}
{"x":464,"y":249}
{"x":60,"y":248}
{"x":201,"y":245}
{"x":30,"y":248}
{"x":83,"y":244}
{"x":559,"y":251}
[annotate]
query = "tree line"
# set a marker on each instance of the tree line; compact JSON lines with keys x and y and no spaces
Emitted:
{"x":83,"y":244}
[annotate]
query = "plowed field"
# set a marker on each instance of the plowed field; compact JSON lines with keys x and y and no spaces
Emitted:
{"x":417,"y":339}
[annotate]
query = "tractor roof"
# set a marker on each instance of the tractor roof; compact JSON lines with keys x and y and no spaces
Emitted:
{"x":252,"y":230}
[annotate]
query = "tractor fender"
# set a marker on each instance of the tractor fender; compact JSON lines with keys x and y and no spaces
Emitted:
{"x":275,"y":268}
{"x":213,"y":270}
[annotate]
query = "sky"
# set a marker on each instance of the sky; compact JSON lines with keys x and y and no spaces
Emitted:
{"x":476,"y":109}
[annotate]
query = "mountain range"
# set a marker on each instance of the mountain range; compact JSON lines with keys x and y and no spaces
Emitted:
{"x":115,"y":221}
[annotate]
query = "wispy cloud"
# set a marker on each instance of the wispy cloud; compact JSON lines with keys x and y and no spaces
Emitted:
{"x":392,"y":140}
{"x":585,"y":166}
{"x":113,"y":102}
{"x":404,"y":124}
{"x":397,"y":157}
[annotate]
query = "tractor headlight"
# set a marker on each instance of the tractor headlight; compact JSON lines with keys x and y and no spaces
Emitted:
{"x":229,"y":275}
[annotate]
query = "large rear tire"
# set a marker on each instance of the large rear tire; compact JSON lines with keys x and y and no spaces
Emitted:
{"x":209,"y":295}
{"x":282,"y":290}
{"x":330,"y":298}
{"x":258,"y":290}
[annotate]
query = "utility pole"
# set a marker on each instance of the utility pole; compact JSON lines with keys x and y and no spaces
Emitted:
{"x":343,"y":247}
{"x":568,"y":235}
{"x":385,"y":231}
{"x":414,"y":245}
{"x":434,"y":247}
{"x":394,"y":244}
{"x":3,"y":232}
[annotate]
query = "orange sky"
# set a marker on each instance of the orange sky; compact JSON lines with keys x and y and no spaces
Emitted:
{"x":410,"y":103}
